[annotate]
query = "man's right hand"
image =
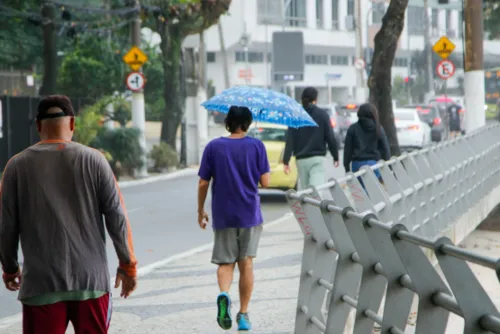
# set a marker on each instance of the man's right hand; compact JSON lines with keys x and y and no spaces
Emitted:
{"x":129,"y":284}
{"x":12,"y":281}
{"x":286,"y":169}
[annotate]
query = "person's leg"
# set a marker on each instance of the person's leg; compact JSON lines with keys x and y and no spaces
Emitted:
{"x":317,"y":171}
{"x":92,"y":315}
{"x":303,"y":171}
{"x":45,"y":319}
{"x":249,"y":239}
{"x":225,"y":255}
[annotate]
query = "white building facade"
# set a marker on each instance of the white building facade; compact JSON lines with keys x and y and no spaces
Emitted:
{"x":329,"y":38}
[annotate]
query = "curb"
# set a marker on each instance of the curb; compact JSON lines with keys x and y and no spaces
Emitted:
{"x":164,"y":177}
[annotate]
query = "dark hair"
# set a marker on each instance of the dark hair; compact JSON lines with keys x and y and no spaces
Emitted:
{"x":309,"y":95}
{"x":238,"y":118}
{"x":55,"y":101}
{"x":368,"y":110}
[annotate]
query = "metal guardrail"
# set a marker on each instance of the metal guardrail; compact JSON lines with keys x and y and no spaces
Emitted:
{"x":373,"y":241}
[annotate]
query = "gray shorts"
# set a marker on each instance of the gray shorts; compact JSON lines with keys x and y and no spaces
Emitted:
{"x":233,"y":244}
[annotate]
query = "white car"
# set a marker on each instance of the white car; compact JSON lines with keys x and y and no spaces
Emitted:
{"x":411,"y":131}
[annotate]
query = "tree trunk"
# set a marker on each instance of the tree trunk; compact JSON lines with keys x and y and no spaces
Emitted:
{"x":49,"y":50}
{"x":380,"y":81}
{"x":171,"y":44}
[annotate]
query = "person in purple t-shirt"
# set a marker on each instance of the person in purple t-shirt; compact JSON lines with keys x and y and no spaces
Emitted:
{"x":235,"y":165}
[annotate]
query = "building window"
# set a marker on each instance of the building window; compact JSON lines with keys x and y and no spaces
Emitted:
{"x":378,"y":12}
{"x":460,"y":24}
{"x":415,"y":18}
{"x":269,"y":11}
{"x":335,"y":14}
{"x":253,"y":57}
{"x":210,"y":57}
{"x":448,"y":20}
{"x":350,"y":8}
{"x":316,"y":59}
{"x":319,"y":14}
{"x":435,"y":18}
{"x":296,"y":15}
{"x":339,"y":60}
{"x":400,"y":62}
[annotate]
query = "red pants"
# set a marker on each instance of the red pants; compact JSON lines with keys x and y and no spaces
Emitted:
{"x":88,"y":317}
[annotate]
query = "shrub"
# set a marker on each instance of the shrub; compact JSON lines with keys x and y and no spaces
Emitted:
{"x":123,"y":145}
{"x":163,"y":156}
{"x":87,"y":126}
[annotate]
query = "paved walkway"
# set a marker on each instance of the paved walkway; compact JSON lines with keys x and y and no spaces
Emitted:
{"x":180,"y":297}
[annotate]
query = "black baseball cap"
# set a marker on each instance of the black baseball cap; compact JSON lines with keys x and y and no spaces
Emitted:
{"x":54,"y":101}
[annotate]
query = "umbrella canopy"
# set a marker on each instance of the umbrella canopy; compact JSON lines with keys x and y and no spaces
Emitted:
{"x":266,"y":106}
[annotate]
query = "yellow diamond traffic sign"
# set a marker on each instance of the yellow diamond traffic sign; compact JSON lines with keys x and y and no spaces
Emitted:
{"x":135,"y":58}
{"x":443,"y":47}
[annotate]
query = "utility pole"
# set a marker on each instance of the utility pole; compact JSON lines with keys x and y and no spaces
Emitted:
{"x":138,"y":108}
{"x":428,"y":50}
{"x":360,"y":80}
{"x":49,"y":49}
{"x":473,"y":65}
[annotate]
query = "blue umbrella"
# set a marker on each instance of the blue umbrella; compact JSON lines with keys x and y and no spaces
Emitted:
{"x":266,"y":106}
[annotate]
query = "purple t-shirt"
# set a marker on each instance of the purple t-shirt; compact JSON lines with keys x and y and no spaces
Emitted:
{"x":235,"y":166}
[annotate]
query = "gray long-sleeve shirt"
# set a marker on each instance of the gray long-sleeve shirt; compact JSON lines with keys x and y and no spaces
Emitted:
{"x":54,"y":196}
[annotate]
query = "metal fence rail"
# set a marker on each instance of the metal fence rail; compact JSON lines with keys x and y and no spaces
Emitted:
{"x":376,"y":242}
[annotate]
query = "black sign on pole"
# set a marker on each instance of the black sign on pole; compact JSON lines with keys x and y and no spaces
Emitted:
{"x":288,"y":56}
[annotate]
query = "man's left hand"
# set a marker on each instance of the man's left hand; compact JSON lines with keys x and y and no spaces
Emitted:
{"x":336,"y":163}
{"x":202,"y":219}
{"x":12,"y":281}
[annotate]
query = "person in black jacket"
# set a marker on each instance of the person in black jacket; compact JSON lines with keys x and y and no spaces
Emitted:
{"x":365,"y":141}
{"x":308,"y":144}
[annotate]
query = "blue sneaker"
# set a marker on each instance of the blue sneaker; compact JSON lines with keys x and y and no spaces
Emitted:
{"x":244,"y":323}
{"x":224,"y":311}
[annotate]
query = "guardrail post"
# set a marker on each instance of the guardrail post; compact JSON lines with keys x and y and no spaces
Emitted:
{"x":471,"y":297}
{"x":348,"y":271}
{"x":425,"y":282}
{"x":307,"y":265}
{"x":372,"y":286}
{"x":321,"y":266}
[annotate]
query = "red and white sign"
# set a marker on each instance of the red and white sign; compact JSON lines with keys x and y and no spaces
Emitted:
{"x":135,"y":81}
{"x":445,"y":69}
{"x":359,"y":64}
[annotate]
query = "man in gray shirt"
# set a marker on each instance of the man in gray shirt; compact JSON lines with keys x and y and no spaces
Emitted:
{"x":54,"y":196}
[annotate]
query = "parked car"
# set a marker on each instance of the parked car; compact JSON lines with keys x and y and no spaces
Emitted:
{"x":411,"y":131}
{"x":431,"y":115}
{"x":274,"y":139}
{"x":331,"y":110}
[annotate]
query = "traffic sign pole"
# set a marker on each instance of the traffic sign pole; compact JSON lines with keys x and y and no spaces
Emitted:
{"x":138,"y":105}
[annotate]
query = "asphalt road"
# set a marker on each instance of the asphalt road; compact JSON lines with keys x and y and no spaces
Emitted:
{"x":163,"y":217}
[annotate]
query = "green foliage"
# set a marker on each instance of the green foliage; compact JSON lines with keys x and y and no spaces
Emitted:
{"x":399,"y":90}
{"x":122,"y":111}
{"x":492,"y":18}
{"x":87,"y":126}
{"x":123,"y":144}
{"x":163,"y":156}
{"x":20,"y":35}
{"x":91,"y":68}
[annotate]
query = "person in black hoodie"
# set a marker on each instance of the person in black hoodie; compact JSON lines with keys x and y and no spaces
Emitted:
{"x":308,"y":144}
{"x":365,"y":141}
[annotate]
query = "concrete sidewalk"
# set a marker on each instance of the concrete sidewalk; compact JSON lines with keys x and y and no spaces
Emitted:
{"x":180,"y":297}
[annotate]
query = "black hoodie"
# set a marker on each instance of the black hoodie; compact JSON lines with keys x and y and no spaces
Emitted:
{"x":306,"y":142}
{"x":362,"y":143}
